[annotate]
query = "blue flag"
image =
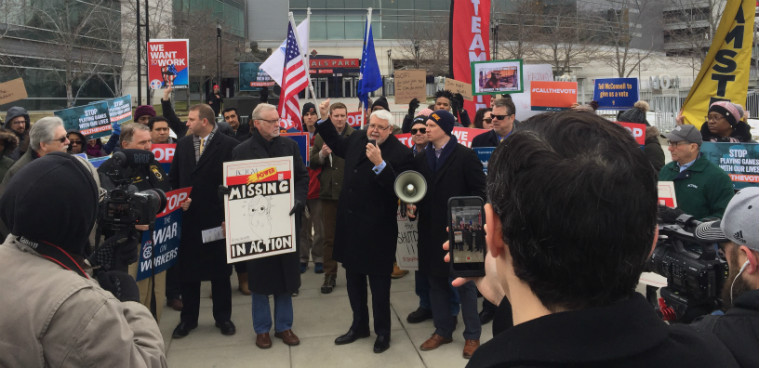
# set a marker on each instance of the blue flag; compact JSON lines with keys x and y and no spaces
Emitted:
{"x":369,"y":72}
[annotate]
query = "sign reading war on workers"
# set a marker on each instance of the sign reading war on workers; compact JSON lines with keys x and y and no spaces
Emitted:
{"x":738,"y":160}
{"x":168,"y":63}
{"x":91,"y":120}
{"x":616,"y":93}
{"x":159,"y":250}
{"x":257,"y":209}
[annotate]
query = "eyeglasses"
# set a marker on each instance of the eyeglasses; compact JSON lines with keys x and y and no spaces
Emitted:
{"x":421,"y":130}
{"x":676,"y":144}
{"x":72,"y":143}
{"x":714,"y":117}
{"x":62,"y":139}
{"x":275,"y":121}
{"x":487,"y":120}
{"x":499,"y":117}
{"x":377,"y":127}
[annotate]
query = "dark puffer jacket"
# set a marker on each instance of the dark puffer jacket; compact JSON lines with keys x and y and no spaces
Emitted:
{"x":9,"y":141}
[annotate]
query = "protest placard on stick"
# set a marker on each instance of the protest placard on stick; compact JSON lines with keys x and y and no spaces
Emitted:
{"x":409,"y":84}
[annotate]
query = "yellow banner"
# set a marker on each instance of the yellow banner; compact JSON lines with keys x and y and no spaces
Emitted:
{"x":725,"y":71}
{"x":262,"y":175}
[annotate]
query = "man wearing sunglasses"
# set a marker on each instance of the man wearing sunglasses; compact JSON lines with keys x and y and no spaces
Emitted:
{"x":702,"y":188}
{"x":503,"y":115}
{"x":46,"y":135}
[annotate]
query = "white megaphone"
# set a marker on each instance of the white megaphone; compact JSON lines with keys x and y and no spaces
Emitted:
{"x":410,"y":186}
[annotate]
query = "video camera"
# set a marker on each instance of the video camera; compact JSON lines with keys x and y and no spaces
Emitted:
{"x":124,"y":206}
{"x":693,"y":268}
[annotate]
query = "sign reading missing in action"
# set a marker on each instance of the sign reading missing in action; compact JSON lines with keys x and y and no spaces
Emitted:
{"x":257,"y":219}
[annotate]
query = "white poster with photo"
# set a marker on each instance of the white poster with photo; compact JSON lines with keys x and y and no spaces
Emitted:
{"x":256,"y":210}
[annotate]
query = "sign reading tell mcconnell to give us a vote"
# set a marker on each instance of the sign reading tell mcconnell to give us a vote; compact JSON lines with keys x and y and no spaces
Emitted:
{"x":257,"y":209}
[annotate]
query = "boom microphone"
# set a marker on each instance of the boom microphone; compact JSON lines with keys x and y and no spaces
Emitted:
{"x":410,"y":186}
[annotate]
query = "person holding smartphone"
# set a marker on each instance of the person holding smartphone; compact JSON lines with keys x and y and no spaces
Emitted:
{"x":450,"y":170}
{"x":570,"y":224}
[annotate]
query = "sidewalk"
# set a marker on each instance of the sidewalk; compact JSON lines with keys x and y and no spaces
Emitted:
{"x":318,"y":320}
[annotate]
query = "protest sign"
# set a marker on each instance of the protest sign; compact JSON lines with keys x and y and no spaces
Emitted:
{"x":97,"y":161}
{"x":252,"y":77}
{"x":616,"y":93}
{"x":466,"y":135}
{"x":354,"y":119}
{"x":531,"y":73}
{"x":12,"y":90}
{"x":159,"y":249}
{"x":638,"y":131}
{"x":456,"y":86}
{"x":666,"y":194}
{"x":303,"y":144}
{"x":168,"y":63}
{"x":120,"y":109}
{"x":164,"y":154}
{"x":409,"y":84}
{"x":256,"y":210}
{"x":406,"y":245}
{"x":405,"y":139}
{"x":497,"y":77}
{"x":738,"y":160}
{"x":484,"y":154}
{"x":91,"y":120}
{"x":552,"y":96}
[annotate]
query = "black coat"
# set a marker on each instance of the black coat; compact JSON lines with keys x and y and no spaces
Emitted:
{"x":366,"y":227}
{"x":202,"y":261}
{"x":276,"y":274}
{"x":460,"y":175}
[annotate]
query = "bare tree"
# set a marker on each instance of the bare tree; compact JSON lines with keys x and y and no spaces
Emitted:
{"x":517,"y":27}
{"x":620,"y":30}
{"x":426,"y":45}
{"x":565,"y":38}
{"x":689,"y":28}
{"x":79,"y":36}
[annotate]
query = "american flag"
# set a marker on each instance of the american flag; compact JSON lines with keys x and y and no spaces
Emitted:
{"x":293,"y":81}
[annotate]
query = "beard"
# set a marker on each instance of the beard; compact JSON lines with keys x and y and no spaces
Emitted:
{"x":739,"y":287}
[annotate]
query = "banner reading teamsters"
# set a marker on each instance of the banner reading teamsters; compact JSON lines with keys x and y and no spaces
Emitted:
{"x":725,"y":70}
{"x":469,"y":41}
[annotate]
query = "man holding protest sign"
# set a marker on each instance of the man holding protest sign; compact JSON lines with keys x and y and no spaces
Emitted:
{"x":136,"y":136}
{"x":276,"y":275}
{"x":198,"y":164}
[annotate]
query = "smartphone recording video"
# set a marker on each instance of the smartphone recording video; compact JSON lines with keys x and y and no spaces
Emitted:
{"x":467,"y":240}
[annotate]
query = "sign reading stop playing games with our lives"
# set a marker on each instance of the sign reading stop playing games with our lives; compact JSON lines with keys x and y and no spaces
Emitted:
{"x":160,"y":249}
{"x":92,"y":120}
{"x":257,"y":209}
{"x":168,"y":63}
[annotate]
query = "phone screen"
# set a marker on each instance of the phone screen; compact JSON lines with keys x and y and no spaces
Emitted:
{"x":467,"y":240}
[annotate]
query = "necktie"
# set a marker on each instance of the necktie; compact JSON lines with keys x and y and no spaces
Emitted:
{"x":200,"y":148}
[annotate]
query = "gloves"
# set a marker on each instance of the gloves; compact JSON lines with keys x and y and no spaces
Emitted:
{"x":297,"y":208}
{"x":120,"y":284}
{"x":116,"y":252}
{"x":221,"y":191}
{"x":116,"y":128}
{"x":458,"y":103}
{"x":413,"y":105}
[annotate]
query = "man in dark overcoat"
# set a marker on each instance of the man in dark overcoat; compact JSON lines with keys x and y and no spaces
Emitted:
{"x":450,"y":170}
{"x":276,"y":275}
{"x":367,"y":230}
{"x":198,"y":164}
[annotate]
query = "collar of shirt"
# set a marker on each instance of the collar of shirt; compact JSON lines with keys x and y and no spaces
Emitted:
{"x":682,"y":168}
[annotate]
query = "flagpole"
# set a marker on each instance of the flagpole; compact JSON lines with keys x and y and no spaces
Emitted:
{"x":307,"y":59}
{"x":366,"y":37}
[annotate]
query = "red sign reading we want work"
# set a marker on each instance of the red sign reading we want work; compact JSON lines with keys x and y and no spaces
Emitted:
{"x":168,"y":63}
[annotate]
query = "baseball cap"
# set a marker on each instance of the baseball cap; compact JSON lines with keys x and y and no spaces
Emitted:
{"x":686,"y":132}
{"x":739,"y":223}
